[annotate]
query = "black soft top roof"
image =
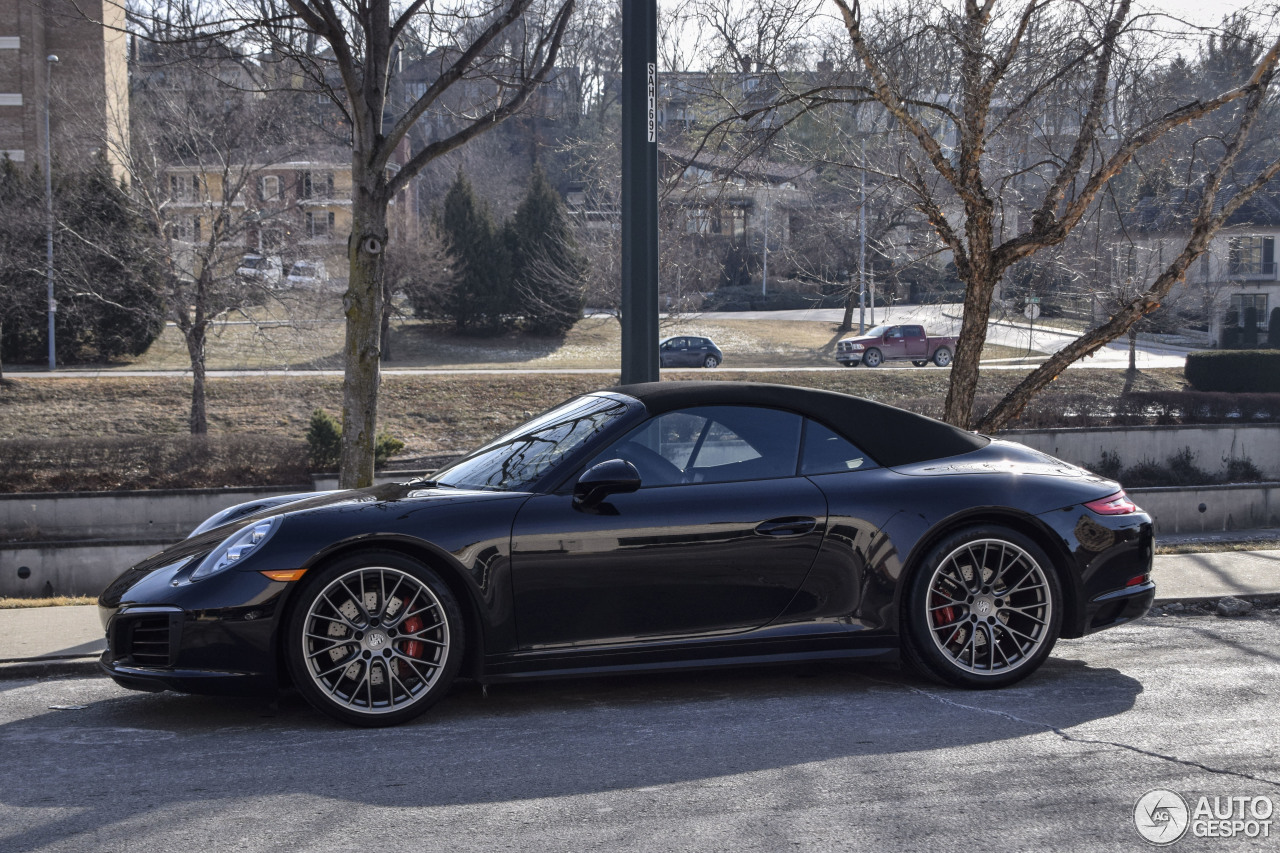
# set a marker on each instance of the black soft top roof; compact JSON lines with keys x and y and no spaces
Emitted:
{"x":890,"y":435}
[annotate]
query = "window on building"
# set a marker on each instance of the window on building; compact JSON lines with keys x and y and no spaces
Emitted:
{"x":269,"y":188}
{"x":1240,"y":304}
{"x":316,"y":185}
{"x":320,"y":224}
{"x":1254,"y":255}
{"x":697,"y":221}
{"x":180,"y":187}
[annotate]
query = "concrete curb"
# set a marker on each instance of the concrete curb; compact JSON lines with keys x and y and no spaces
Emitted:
{"x":51,"y":668}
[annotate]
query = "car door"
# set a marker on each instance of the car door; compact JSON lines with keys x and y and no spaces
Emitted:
{"x":718,"y":538}
{"x":917,"y":346}
{"x":892,"y":347}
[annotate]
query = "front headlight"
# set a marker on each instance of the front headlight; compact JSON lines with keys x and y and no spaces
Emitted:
{"x":236,"y":547}
{"x":856,"y":347}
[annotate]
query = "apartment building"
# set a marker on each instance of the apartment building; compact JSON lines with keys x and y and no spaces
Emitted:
{"x":85,"y":90}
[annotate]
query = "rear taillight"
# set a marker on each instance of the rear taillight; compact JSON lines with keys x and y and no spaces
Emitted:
{"x":1117,"y":504}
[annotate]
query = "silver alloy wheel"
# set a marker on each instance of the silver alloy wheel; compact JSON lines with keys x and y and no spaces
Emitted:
{"x":989,"y":609}
{"x":872,"y":358}
{"x":942,"y":357}
{"x":711,"y":362}
{"x":375,"y":640}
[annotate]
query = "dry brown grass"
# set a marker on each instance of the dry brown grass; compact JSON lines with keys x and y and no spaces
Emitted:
{"x":55,"y":601}
{"x":432,"y":414}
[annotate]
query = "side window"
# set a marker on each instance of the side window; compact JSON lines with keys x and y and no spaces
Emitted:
{"x":895,"y":332}
{"x":915,"y":331}
{"x":828,"y":453}
{"x":712,"y":444}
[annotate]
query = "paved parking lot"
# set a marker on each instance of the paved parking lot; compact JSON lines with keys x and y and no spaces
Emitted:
{"x":829,"y":757}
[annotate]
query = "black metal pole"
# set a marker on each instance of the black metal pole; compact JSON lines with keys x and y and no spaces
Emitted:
{"x":639,"y":191}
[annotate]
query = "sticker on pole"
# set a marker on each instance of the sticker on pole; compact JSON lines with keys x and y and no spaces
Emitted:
{"x":653,"y":102}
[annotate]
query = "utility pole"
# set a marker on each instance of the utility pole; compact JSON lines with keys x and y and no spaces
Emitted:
{"x":862,"y":245}
{"x":639,"y":191}
{"x":48,"y":209}
{"x":764,"y":271}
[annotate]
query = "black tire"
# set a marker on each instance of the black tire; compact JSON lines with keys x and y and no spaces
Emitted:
{"x":352,"y":645}
{"x":873,"y":358}
{"x":850,"y":363}
{"x":942,"y":356}
{"x":710,"y":362}
{"x":987,"y":628}
{"x":921,"y":363}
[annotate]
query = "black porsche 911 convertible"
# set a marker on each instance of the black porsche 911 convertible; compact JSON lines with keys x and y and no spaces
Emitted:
{"x":656,"y":526}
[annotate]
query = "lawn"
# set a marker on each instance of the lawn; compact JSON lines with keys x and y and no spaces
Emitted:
{"x":267,"y":338}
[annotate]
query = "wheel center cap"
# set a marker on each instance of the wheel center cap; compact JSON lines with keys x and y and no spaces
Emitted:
{"x":375,"y":640}
{"x":983,"y":607}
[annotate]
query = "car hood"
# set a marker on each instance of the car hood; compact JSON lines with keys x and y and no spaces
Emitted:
{"x":417,"y":495}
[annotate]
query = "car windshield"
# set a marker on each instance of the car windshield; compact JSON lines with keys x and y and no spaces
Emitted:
{"x":876,"y":332}
{"x":520,"y":458}
{"x":255,"y":263}
{"x":302,"y":269}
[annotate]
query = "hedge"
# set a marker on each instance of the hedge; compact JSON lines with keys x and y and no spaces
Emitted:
{"x":1247,"y":371}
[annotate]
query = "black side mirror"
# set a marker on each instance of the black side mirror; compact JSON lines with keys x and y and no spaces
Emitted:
{"x":614,"y":477}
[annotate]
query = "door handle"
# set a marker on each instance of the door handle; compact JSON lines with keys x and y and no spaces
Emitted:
{"x":793,"y":526}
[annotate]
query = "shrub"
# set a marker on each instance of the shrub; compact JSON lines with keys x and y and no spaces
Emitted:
{"x":324,"y":438}
{"x":1183,"y":468}
{"x":1234,"y":370}
{"x":1109,"y":465}
{"x":1240,"y":470}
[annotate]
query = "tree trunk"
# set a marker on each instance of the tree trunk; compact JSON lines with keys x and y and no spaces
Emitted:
{"x":362,"y":305}
{"x":846,"y":324}
{"x":1133,"y":349}
{"x":1,"y":353}
{"x":980,"y":277}
{"x":199,"y":420}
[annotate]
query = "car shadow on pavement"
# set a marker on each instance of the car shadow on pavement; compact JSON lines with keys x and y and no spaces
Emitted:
{"x":126,"y":757}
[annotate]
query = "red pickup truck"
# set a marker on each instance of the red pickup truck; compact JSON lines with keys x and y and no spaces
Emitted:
{"x":895,"y":343}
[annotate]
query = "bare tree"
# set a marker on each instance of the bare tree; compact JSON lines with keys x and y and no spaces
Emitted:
{"x":197,"y":168}
{"x":488,"y":58}
{"x":1059,"y":76}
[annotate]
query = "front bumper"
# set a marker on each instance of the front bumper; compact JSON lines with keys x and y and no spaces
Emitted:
{"x":214,"y":636}
{"x":849,"y":357}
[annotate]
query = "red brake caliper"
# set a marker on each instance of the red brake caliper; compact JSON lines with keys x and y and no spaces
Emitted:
{"x":414,"y":648}
{"x":943,"y":616}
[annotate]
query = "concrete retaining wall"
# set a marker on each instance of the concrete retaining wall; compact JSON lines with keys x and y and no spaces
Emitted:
{"x":159,"y":515}
{"x":1211,"y":508}
{"x":1210,"y":445}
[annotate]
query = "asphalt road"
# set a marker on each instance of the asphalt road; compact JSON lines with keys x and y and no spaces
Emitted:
{"x":817,"y":758}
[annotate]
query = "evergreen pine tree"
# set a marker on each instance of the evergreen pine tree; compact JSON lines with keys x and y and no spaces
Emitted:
{"x":548,"y":271}
{"x":480,"y":299}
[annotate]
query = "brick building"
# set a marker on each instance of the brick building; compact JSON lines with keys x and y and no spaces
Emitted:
{"x":87,"y":88}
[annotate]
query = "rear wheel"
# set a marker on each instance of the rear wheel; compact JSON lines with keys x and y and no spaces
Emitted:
{"x":710,"y":361}
{"x":375,"y":639}
{"x":983,"y":609}
{"x":942,"y":357}
{"x":873,"y":358}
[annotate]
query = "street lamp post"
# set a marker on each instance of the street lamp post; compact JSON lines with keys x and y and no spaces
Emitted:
{"x":48,"y":208}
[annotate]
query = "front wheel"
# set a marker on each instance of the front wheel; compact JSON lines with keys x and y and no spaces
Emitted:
{"x":920,"y":363}
{"x":375,"y":639}
{"x":942,"y":357}
{"x":710,"y":362}
{"x":872,"y":358}
{"x":983,"y":609}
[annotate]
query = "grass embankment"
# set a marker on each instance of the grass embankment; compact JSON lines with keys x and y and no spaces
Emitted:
{"x":120,"y":432}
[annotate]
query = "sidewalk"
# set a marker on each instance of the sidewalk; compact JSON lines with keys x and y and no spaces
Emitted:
{"x":66,"y":641}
